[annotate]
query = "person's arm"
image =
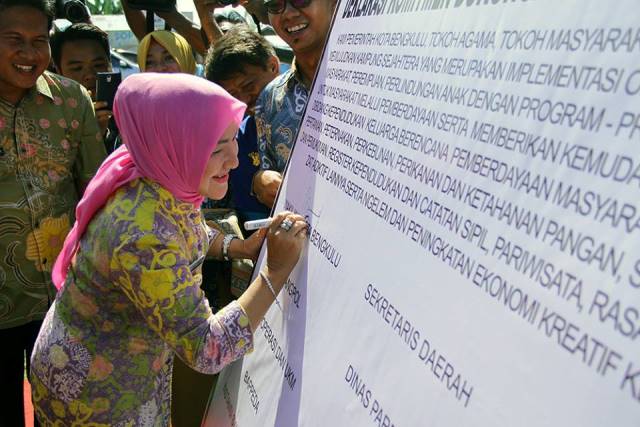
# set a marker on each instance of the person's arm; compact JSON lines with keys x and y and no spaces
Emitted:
{"x":136,"y":20}
{"x":238,"y":248}
{"x":91,"y":150}
{"x":187,"y":29}
{"x":266,"y":181}
{"x":265,"y":185}
{"x":283,"y":251}
{"x":205,"y":9}
{"x":153,"y":271}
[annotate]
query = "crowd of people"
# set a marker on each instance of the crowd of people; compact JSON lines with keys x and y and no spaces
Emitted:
{"x":102,"y":236}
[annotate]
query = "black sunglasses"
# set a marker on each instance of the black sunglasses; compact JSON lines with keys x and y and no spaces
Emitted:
{"x":276,"y":7}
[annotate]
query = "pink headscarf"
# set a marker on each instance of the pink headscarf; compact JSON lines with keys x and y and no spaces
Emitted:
{"x":170,"y":124}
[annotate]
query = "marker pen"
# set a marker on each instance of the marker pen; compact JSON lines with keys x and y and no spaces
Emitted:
{"x":257,"y":224}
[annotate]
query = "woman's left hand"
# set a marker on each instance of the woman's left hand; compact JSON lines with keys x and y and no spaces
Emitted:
{"x":253,"y":244}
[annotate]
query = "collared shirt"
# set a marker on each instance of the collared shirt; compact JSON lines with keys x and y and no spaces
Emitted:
{"x":50,"y":147}
{"x":278,"y":113}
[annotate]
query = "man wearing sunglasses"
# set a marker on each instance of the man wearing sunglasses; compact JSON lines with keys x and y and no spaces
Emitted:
{"x":303,"y":25}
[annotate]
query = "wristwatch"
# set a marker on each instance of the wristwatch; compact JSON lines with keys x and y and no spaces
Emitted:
{"x":226,"y":242}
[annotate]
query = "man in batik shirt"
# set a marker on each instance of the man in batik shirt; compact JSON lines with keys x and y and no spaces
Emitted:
{"x":50,"y":147}
{"x":279,"y":108}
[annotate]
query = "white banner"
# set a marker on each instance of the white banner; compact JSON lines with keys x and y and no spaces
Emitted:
{"x":471,"y":172}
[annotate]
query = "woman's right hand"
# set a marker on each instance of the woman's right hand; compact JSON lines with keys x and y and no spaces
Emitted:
{"x":284,"y":247}
{"x":283,"y":251}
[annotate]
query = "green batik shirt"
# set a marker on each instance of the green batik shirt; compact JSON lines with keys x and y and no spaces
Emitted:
{"x":50,"y":147}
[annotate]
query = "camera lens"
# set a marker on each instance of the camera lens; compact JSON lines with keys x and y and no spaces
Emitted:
{"x":76,"y":11}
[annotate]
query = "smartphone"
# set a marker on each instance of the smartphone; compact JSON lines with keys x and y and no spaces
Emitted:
{"x":106,"y":87}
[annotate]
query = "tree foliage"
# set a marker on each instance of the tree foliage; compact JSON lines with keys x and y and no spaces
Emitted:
{"x":104,"y":7}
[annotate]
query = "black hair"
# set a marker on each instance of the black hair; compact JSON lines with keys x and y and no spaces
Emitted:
{"x":45,"y":6}
{"x":79,"y":31}
{"x":234,"y":50}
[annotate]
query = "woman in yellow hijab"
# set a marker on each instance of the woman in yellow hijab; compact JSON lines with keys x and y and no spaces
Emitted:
{"x":166,"y":52}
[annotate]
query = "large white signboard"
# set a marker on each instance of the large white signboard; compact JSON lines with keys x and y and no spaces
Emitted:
{"x":471,"y":172}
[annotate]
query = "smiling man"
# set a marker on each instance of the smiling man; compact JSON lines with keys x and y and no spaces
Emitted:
{"x":50,"y":147}
{"x":303,"y":25}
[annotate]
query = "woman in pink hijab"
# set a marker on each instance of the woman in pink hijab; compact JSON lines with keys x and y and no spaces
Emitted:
{"x":129,"y":273}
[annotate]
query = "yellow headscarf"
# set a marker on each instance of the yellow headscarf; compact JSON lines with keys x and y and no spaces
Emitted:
{"x":175,"y":44}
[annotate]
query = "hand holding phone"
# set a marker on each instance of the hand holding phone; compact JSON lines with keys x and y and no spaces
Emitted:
{"x":106,"y":87}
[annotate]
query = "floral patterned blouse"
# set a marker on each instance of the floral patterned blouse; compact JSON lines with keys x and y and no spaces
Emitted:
{"x":132,"y":301}
{"x":50,"y":147}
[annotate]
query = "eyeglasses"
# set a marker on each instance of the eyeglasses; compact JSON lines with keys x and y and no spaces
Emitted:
{"x":276,"y":7}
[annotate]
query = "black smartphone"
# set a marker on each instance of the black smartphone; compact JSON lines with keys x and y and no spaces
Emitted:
{"x":106,"y":86}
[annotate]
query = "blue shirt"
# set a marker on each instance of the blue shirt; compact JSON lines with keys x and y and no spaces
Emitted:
{"x":246,"y":204}
{"x":278,"y":113}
